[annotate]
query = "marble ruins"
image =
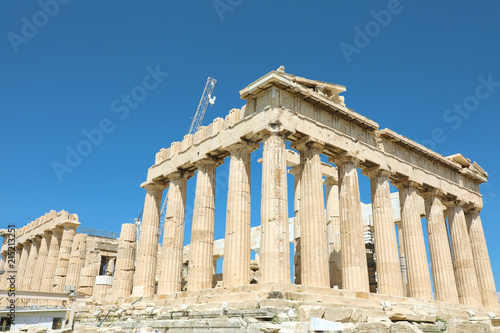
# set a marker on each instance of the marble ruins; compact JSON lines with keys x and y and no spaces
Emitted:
{"x":353,"y":263}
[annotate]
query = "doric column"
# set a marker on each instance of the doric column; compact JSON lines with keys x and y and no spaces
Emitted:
{"x":463,"y":261}
{"x":124,"y":272}
{"x":173,"y":235}
{"x":417,"y":268}
{"x":354,"y":265}
{"x":144,"y":278}
{"x":4,"y":265}
{"x":30,"y":266}
{"x":296,"y":171}
{"x":274,"y":263}
{"x":402,"y":260}
{"x":110,"y":267}
{"x":481,"y":259}
{"x":68,"y":236}
{"x":76,"y":261}
{"x":236,"y":262}
{"x":313,"y":241}
{"x":51,"y":263}
{"x":445,"y":287}
{"x":201,"y":268}
{"x":333,"y":231}
{"x":40,"y":265}
{"x":386,"y":245}
{"x":23,"y":261}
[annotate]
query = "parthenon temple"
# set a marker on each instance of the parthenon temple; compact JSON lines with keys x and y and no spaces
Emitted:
{"x":345,"y":252}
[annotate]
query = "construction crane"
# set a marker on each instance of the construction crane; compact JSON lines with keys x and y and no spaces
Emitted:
{"x":206,"y":98}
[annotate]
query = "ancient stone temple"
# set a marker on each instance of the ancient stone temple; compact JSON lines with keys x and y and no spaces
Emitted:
{"x":359,"y":264}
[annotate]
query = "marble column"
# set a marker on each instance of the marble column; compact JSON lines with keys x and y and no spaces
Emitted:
{"x":417,"y":268}
{"x":275,"y":250}
{"x":481,"y":259}
{"x":68,"y":236}
{"x":144,"y":278}
{"x":40,"y":265}
{"x":296,"y":172}
{"x":76,"y":261}
{"x":110,"y":267}
{"x":173,"y":235}
{"x":236,"y":261}
{"x":4,"y":265}
{"x":386,"y":245}
{"x":124,"y":272}
{"x":51,"y":263}
{"x":314,"y":244}
{"x":201,"y":268}
{"x":30,"y":265}
{"x":402,"y":260}
{"x":445,"y":287}
{"x":463,"y":261}
{"x":23,"y":261}
{"x":333,"y":231}
{"x":354,"y":264}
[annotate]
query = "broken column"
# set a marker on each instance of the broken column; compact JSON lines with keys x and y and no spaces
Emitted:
{"x":354,"y":264}
{"x":201,"y":268}
{"x":144,"y":278}
{"x":314,"y":245}
{"x":68,"y":236}
{"x":236,"y":264}
{"x":333,"y":231}
{"x":445,"y":287}
{"x":76,"y":261}
{"x":124,"y":271}
{"x":481,"y":259}
{"x":386,"y":246}
{"x":274,"y":251}
{"x":417,"y":268}
{"x":463,"y":261}
{"x":173,"y":234}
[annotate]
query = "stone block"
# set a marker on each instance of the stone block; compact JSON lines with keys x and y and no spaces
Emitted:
{"x":460,"y":326}
{"x":404,"y":327}
{"x":373,"y":327}
{"x":342,"y":315}
{"x":306,"y":312}
{"x":294,"y":327}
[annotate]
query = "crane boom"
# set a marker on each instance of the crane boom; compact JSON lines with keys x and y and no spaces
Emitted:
{"x":206,"y":98}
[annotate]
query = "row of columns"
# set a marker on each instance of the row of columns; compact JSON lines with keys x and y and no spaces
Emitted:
{"x":461,"y":274}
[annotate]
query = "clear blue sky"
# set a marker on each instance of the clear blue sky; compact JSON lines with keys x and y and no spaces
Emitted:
{"x":61,"y":73}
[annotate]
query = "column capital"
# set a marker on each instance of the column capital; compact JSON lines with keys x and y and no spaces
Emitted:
{"x":377,"y":171}
{"x":432,"y":192}
{"x":308,"y":143}
{"x":472,"y":208}
{"x":295,"y":171}
{"x":405,"y":183}
{"x":154,"y":185}
{"x":242,"y":145}
{"x":346,"y":158}
{"x":180,"y":174}
{"x":330,"y":181}
{"x":208,"y":160}
{"x":456,"y":202}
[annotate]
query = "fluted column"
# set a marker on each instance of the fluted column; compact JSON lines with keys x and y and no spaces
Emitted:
{"x":402,"y":260}
{"x":386,"y":245}
{"x":201,"y":268}
{"x":481,"y":259}
{"x":275,"y":250}
{"x":76,"y":261}
{"x":124,"y":272}
{"x":236,"y":262}
{"x":40,"y":266}
{"x":463,"y":261}
{"x":296,"y":171}
{"x":30,"y":266}
{"x":68,"y":236}
{"x":173,"y":235}
{"x":4,"y":265}
{"x":144,"y":278}
{"x":51,"y":263}
{"x":417,"y":268}
{"x":314,"y":244}
{"x":333,"y":231}
{"x":445,"y":287}
{"x":354,"y":265}
{"x":21,"y":268}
